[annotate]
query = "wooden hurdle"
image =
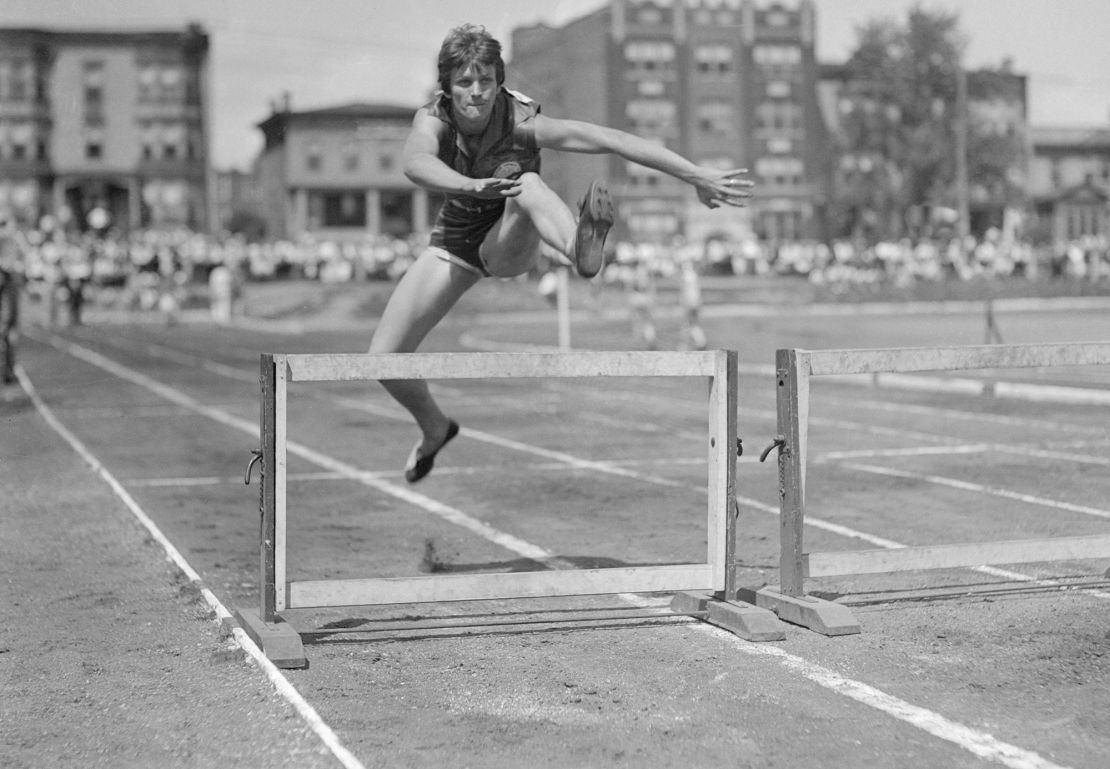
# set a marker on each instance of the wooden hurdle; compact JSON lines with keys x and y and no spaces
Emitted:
{"x":711,"y":581}
{"x":794,"y":368}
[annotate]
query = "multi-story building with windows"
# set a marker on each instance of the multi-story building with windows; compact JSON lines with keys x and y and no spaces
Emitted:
{"x":729,"y":83}
{"x":1070,"y":182}
{"x":337,"y":173}
{"x":108,"y":122}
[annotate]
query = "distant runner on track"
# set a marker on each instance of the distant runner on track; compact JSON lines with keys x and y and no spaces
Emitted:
{"x":478,"y":143}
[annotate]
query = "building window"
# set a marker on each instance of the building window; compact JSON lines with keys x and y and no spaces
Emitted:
{"x":314,"y":158}
{"x":15,"y":80}
{"x":777,"y":56}
{"x":780,"y":172}
{"x":173,"y":83}
{"x":713,"y":59}
{"x":781,"y":225}
{"x":351,"y":159}
{"x":649,"y":55}
{"x":778,"y":89}
{"x":344,"y":209}
{"x":92,"y":80}
{"x":779,"y":145}
{"x":148,"y":83}
{"x":173,"y":138}
{"x":651,"y":116}
{"x":94,"y":143}
{"x":716,"y":118}
{"x":396,"y":213}
{"x":779,"y":117}
{"x":385,"y":163}
{"x":778,"y":19}
{"x":161,"y":82}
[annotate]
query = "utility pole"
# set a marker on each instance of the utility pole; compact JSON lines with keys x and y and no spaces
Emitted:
{"x":963,"y":204}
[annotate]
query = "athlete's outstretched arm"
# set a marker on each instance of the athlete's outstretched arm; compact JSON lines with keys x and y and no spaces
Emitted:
{"x":423,"y":167}
{"x":714,"y":186}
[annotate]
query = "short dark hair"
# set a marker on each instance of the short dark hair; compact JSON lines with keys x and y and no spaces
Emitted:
{"x":465,"y":45}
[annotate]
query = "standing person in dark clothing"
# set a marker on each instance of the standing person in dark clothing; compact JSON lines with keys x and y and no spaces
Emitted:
{"x":11,"y":285}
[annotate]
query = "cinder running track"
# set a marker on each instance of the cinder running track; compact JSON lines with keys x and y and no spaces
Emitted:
{"x":957,"y":668}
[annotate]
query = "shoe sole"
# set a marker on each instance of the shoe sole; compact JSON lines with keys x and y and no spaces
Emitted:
{"x":423,"y":464}
{"x":595,"y":221}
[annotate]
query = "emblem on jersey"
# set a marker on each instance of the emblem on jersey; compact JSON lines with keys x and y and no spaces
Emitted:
{"x":507,"y":170}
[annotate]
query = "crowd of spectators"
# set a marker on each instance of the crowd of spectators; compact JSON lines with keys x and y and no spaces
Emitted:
{"x":904,"y":262}
{"x":167,"y":270}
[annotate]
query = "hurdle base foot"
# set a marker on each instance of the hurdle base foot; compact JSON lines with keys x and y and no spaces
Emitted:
{"x":821,"y":616}
{"x":278,"y":640}
{"x":739,"y":618}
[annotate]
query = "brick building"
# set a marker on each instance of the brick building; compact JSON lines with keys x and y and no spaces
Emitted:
{"x":338,"y":173}
{"x":730,"y":83}
{"x":111,"y":122}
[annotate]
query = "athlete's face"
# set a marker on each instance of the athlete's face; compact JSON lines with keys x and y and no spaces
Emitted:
{"x":473,"y":89}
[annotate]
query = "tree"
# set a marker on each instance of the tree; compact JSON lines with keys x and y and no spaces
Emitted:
{"x":997,"y":146}
{"x":248,"y":224}
{"x":898,"y":123}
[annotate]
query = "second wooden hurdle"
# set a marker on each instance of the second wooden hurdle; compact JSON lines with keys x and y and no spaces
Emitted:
{"x":714,"y":578}
{"x":794,"y":369}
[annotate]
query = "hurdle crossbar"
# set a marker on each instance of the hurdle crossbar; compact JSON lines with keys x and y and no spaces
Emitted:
{"x":716,"y":573}
{"x":794,"y":368}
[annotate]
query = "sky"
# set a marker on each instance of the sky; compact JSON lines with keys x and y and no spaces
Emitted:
{"x":329,"y":52}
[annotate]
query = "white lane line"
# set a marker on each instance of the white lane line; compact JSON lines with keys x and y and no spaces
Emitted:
{"x":978,"y":416}
{"x":978,"y":488}
{"x":327,"y":475}
{"x":277,"y":679}
{"x":971,"y":448}
{"x":817,"y":523}
{"x":972,"y":740}
{"x":609,"y":468}
{"x":890,"y":544}
{"x":813,"y":521}
{"x":251,"y":428}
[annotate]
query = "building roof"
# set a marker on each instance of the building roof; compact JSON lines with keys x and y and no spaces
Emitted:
{"x":359,"y":110}
{"x":342,"y":115}
{"x":1070,"y":136}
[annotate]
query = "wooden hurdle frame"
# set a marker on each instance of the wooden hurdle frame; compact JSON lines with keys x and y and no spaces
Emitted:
{"x":715,"y":577}
{"x":794,"y":368}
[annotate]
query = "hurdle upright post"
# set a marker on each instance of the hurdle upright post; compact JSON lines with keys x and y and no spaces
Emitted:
{"x":268,"y":436}
{"x":789,"y":601}
{"x":723,"y":401}
{"x":276,"y":638}
{"x":792,"y":405}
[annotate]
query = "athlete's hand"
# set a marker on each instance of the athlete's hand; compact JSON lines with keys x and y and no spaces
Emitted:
{"x":728,"y":187}
{"x":490,"y":189}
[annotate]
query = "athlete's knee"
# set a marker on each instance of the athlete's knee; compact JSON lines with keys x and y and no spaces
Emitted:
{"x":530,"y":184}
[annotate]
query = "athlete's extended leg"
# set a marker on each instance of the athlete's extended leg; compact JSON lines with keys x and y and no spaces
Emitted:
{"x":538,"y":214}
{"x":429,"y":288}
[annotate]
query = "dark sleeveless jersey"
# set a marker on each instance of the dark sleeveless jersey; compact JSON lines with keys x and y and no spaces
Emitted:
{"x":506,"y":149}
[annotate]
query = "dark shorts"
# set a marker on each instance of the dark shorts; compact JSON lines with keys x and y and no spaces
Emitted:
{"x":462,"y":226}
